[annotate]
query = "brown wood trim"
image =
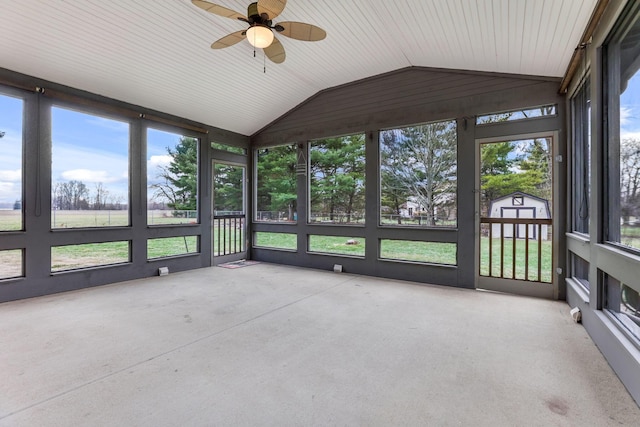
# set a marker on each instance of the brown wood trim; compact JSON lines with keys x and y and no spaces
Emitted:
{"x":16,"y":85}
{"x":113,"y":109}
{"x":86,"y":102}
{"x":173,"y":123}
{"x":580,"y":50}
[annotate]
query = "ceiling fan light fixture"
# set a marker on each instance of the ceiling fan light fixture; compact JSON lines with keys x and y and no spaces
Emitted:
{"x":260,"y":36}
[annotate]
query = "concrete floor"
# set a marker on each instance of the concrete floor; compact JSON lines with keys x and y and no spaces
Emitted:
{"x":275,"y":345}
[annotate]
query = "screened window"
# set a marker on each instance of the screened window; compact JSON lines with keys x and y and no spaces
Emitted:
{"x":90,"y":170}
{"x":337,"y":245}
{"x":72,"y":257}
{"x":624,"y":132}
{"x":581,"y":158}
{"x":623,"y":302}
{"x":276,"y":184}
{"x":287,"y":241}
{"x":336,"y":180}
{"x":229,"y":148}
{"x":426,"y":252}
{"x":418,"y":175}
{"x":11,"y":263}
{"x":580,"y":270}
{"x":11,"y":111}
{"x":171,"y":246}
{"x":172,"y":178}
{"x":523,"y":114}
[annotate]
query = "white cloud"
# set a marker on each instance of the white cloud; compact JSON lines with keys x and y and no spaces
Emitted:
{"x":625,"y":115}
{"x":86,"y":175}
{"x":109,"y":124}
{"x":629,"y":135}
{"x":11,"y":175}
{"x":159,"y":161}
{"x":9,"y":192}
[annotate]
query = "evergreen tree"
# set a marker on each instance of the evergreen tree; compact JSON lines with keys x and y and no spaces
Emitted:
{"x":535,"y":163}
{"x":228,"y":185}
{"x":508,"y":167}
{"x":180,"y":177}
{"x":337,"y":176}
{"x":277,"y":181}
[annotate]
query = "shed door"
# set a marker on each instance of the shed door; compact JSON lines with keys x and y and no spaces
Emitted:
{"x":516,"y":247}
{"x":521,"y":212}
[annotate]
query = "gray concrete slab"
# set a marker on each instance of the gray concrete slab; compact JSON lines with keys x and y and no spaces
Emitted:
{"x":277,"y":345}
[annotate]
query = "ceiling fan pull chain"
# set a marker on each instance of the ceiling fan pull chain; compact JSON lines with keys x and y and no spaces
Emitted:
{"x":264,"y":62}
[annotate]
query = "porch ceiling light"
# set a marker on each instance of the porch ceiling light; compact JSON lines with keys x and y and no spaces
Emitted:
{"x":260,"y":36}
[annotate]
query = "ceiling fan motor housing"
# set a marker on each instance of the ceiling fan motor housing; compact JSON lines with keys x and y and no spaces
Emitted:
{"x":255,"y":17}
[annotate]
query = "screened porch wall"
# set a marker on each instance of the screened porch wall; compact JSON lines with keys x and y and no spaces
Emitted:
{"x":37,"y":240}
{"x":402,"y":98}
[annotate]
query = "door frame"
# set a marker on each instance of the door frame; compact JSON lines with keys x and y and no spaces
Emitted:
{"x":221,"y":259}
{"x":522,"y":287}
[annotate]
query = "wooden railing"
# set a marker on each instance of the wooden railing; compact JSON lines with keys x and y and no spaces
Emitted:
{"x":228,"y":234}
{"x":516,"y":248}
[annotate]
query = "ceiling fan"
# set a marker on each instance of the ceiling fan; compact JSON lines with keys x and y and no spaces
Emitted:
{"x":260,"y":17}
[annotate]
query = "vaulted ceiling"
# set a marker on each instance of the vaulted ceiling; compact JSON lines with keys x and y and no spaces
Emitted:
{"x":156,"y":53}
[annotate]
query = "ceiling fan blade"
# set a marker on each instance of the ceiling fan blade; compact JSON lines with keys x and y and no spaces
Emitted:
{"x":218,"y":10}
{"x":229,"y":40}
{"x":275,"y":51}
{"x":272,"y":8}
{"x":302,"y":31}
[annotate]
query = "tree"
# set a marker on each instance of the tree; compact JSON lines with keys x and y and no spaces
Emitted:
{"x":228,"y":188}
{"x":535,"y":162}
{"x":512,"y":166}
{"x":629,"y":178}
{"x":337,"y":176}
{"x":277,"y":180}
{"x":394,"y":192}
{"x":100,"y":198}
{"x":420,"y":162}
{"x":71,"y":195}
{"x":180,"y":177}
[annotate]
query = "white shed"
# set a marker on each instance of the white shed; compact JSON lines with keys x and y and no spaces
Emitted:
{"x":520,"y":205}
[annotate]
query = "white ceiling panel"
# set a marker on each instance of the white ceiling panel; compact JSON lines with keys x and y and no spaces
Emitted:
{"x":156,"y":53}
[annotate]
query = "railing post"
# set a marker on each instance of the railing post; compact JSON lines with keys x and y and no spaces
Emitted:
{"x":526,"y":253}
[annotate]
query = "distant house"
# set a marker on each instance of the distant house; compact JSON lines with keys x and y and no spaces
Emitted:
{"x":519,"y":205}
{"x":412,"y":208}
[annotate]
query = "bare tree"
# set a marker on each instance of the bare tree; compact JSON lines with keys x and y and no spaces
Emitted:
{"x":630,"y":178}
{"x":71,"y":195}
{"x":423,"y":162}
{"x":100,"y":197}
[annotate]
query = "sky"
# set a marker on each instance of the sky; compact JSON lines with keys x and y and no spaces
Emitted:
{"x":85,"y":147}
{"x":630,"y":109}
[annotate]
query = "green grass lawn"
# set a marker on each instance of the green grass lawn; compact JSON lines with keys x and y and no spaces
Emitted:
{"x":96,"y":254}
{"x":337,"y":245}
{"x":287,"y":241}
{"x":11,"y":263}
{"x":88,"y":255}
{"x":171,"y":246}
{"x":429,"y":252}
{"x":507,"y":260}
